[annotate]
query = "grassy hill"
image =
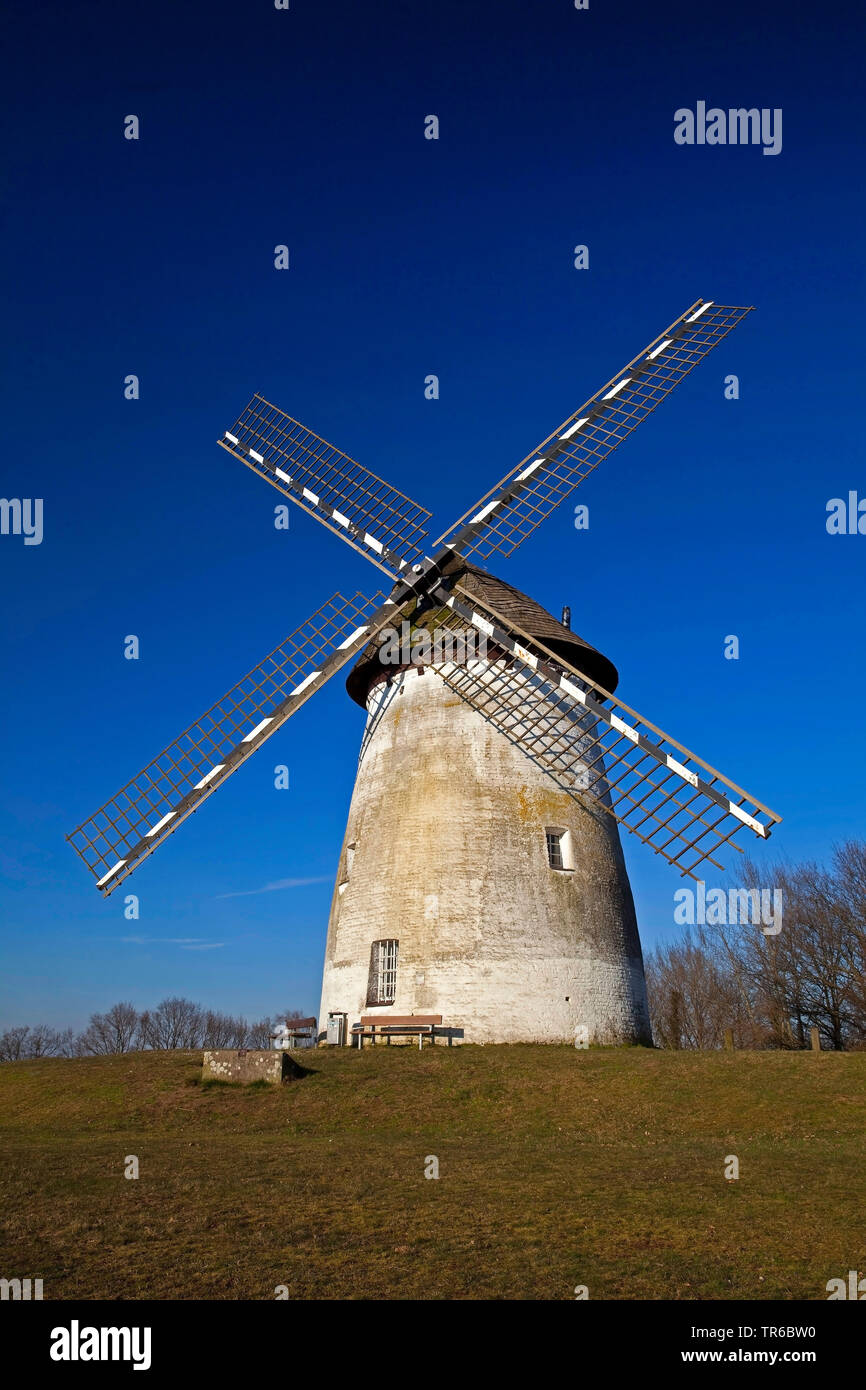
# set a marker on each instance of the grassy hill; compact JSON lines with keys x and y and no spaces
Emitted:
{"x":557,"y":1168}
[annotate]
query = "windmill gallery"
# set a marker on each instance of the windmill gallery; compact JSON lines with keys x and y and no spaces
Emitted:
{"x":481,"y":881}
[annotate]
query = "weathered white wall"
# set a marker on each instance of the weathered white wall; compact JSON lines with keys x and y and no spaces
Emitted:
{"x":448,"y":820}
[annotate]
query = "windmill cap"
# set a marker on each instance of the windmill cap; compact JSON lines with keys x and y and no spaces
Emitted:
{"x":515,"y":607}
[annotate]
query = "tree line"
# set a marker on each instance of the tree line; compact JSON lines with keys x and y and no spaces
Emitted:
{"x":771,"y":990}
{"x":175,"y":1023}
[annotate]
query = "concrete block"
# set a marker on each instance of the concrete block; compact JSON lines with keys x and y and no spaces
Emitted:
{"x":245,"y":1065}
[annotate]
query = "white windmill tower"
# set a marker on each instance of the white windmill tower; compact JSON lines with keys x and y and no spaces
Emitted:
{"x":472,"y":885}
{"x":481,"y":878}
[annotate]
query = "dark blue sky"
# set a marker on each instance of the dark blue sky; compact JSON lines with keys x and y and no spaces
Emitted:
{"x":408,"y":257}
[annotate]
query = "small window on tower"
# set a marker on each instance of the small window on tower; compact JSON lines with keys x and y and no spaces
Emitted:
{"x":382,"y":985}
{"x":559,"y":851}
{"x":347,"y":868}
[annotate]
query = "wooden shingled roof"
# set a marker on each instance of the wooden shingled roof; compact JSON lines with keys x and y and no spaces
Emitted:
{"x":516,"y":607}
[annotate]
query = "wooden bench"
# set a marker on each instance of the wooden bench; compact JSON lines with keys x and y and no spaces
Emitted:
{"x":391,"y":1026}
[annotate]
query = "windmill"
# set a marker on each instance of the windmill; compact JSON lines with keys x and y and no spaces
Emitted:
{"x":481,"y":872}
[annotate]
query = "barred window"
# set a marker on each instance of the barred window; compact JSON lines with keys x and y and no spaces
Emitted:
{"x":382,"y":987}
{"x":554,"y":849}
{"x":559,"y":849}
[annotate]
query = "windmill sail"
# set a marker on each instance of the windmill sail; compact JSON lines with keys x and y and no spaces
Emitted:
{"x":585,"y":739}
{"x":592,"y":743}
{"x":368,"y":513}
{"x":149,"y":808}
{"x":526,"y":496}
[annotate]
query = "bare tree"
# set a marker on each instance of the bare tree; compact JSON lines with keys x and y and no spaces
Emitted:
{"x":772,"y":988}
{"x":17,"y":1044}
{"x":693,"y":994}
{"x":223,"y":1030}
{"x":175,"y":1023}
{"x":259,"y":1034}
{"x":112,"y":1032}
{"x":811,"y":973}
{"x":12,"y":1044}
{"x":849,"y":867}
{"x":45,"y":1041}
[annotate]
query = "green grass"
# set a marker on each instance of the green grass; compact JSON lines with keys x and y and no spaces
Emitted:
{"x":557,"y":1167}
